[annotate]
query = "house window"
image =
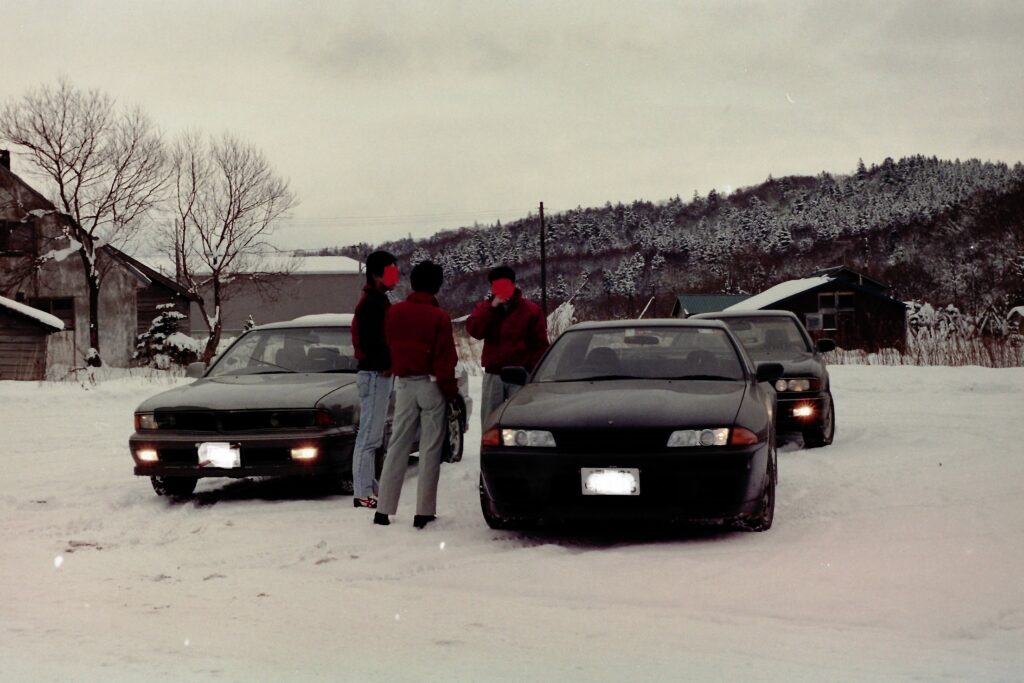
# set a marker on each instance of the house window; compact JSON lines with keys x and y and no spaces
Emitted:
{"x":812,"y":321}
{"x":15,"y":238}
{"x":63,"y":308}
{"x":832,"y":306}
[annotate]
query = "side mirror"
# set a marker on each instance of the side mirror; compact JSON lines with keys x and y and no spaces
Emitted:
{"x":825,"y":345}
{"x":195,"y":370}
{"x":769,"y":372}
{"x":515,"y":374}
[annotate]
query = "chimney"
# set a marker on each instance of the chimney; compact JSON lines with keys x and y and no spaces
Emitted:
{"x":5,"y":159}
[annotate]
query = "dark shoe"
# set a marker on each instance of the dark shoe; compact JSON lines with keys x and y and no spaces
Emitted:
{"x":369,"y":502}
{"x":420,"y":521}
{"x":381,"y":518}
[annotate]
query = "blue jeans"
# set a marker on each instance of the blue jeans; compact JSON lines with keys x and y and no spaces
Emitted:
{"x":374,"y":394}
{"x":493,"y":393}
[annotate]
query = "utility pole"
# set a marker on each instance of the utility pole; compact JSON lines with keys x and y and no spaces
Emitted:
{"x":543,"y":266}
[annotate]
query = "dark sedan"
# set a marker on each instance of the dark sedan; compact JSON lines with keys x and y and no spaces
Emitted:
{"x":280,"y":401}
{"x":805,"y":395}
{"x":635,"y":420}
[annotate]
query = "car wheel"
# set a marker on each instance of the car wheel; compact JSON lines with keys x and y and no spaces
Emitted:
{"x":823,"y":435}
{"x":175,"y":487}
{"x":451,"y":451}
{"x":763,"y":518}
{"x":493,"y":519}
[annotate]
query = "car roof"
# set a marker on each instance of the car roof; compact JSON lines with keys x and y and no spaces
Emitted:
{"x":645,"y":322}
{"x":766,"y":313}
{"x":315,"y":320}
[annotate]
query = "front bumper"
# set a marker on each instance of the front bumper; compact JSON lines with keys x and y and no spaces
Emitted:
{"x":689,"y":484}
{"x":261,"y":455}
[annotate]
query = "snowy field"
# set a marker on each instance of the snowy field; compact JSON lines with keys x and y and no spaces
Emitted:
{"x":897,"y":555}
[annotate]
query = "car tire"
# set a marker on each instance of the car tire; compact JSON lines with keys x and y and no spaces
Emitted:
{"x":455,"y":426}
{"x":174,"y":487}
{"x":493,"y":519}
{"x":823,"y":435}
{"x":762,"y":520}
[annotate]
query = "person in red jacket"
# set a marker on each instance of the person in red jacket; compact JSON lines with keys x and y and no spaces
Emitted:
{"x":423,"y":358}
{"x":514,"y":332}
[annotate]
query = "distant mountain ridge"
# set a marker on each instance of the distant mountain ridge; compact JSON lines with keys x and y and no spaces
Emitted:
{"x":945,"y":232}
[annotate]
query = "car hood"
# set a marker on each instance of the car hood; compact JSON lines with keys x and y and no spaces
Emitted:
{"x":633,"y":403}
{"x":250,"y":392}
{"x":795,"y":363}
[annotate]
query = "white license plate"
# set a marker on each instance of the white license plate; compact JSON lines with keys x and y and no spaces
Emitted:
{"x":219,"y":454}
{"x":610,"y":481}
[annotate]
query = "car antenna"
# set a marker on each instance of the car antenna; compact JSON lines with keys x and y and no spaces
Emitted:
{"x":649,"y":302}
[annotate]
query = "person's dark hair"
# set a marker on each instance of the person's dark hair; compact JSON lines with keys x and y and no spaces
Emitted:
{"x":426,"y":276}
{"x":501,"y":273}
{"x":377,"y":262}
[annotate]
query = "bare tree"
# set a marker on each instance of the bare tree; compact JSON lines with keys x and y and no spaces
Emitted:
{"x":105,"y":167}
{"x":226,"y":201}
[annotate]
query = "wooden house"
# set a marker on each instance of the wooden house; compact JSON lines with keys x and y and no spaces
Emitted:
{"x":842,"y":304}
{"x":691,"y":304}
{"x":40,"y":266}
{"x":24,"y":333}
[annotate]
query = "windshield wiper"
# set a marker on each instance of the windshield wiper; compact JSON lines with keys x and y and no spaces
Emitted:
{"x":280,"y":368}
{"x":600,"y":377}
{"x":718,"y":378}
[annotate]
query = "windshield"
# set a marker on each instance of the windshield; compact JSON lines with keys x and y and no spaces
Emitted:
{"x":766,"y":338}
{"x":295,"y":349}
{"x":643,"y":353}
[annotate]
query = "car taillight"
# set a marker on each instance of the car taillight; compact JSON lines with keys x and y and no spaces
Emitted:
{"x":322,"y":418}
{"x":492,"y":437}
{"x":741,"y":436}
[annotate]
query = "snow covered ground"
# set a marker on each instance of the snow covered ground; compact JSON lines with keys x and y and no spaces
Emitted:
{"x":896,"y":555}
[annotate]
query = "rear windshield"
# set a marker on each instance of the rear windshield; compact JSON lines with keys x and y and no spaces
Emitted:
{"x":644,"y":353}
{"x":766,"y":338}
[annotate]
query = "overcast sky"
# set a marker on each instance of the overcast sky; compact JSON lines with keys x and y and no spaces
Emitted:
{"x":391,"y":118}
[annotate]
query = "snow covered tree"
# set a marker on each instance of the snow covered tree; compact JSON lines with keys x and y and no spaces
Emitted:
{"x":163,"y":343}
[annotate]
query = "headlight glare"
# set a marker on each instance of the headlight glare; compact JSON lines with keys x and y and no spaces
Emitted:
{"x":690,"y":438}
{"x":527,"y":438}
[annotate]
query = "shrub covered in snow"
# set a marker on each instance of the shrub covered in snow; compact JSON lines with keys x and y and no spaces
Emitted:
{"x":163,"y":345}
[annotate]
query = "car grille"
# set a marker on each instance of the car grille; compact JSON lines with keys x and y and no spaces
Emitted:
{"x":227,"y":421}
{"x":612,"y":440}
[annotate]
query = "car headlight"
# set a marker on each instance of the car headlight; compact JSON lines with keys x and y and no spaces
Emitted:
{"x":689,"y":438}
{"x":793,"y":385}
{"x":145,"y":421}
{"x":530,"y":438}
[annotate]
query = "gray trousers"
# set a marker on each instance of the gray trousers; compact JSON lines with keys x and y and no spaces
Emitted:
{"x":493,"y":393}
{"x":418,"y":403}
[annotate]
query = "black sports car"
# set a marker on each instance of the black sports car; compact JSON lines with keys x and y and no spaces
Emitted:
{"x":280,"y":401}
{"x":805,"y":395}
{"x":635,"y":419}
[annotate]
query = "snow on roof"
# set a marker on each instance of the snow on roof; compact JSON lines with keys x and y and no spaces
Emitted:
{"x":34,"y":313}
{"x":781,"y":291}
{"x":1017,"y":311}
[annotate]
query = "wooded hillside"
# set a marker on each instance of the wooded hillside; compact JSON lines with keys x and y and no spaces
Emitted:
{"x":944,"y":232}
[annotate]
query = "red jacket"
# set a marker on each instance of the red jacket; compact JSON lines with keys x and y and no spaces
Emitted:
{"x":514,"y":333}
{"x":419,"y":335}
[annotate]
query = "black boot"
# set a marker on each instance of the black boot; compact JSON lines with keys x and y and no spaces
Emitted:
{"x":420,"y":521}
{"x":381,"y":518}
